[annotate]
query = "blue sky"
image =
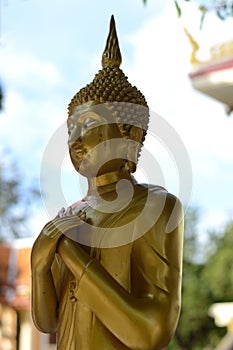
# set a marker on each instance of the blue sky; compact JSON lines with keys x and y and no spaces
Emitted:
{"x":50,"y":49}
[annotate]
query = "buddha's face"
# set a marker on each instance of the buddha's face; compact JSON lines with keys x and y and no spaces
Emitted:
{"x":95,"y":142}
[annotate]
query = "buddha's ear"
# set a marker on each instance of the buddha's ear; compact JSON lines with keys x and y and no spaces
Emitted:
{"x":132,"y":166}
{"x":136,"y":133}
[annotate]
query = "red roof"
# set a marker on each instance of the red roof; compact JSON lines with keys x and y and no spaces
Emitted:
{"x":15,"y":274}
{"x":211,"y":68}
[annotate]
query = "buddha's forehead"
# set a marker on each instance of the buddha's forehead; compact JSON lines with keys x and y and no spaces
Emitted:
{"x":85,"y":107}
{"x":92,"y":107}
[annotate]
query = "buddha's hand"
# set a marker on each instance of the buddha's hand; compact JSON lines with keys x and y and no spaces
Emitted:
{"x":45,"y":246}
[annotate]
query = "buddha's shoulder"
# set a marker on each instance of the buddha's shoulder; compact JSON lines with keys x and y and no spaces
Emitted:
{"x":158,"y":196}
{"x":156,"y":191}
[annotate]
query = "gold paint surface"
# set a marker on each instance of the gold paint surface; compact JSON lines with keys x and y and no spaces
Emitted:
{"x":98,"y":297}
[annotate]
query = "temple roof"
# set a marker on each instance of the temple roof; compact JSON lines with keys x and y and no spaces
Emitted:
{"x":15,"y":273}
{"x":214,"y":77}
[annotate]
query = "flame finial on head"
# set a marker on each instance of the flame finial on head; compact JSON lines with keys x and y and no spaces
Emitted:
{"x":112,"y":54}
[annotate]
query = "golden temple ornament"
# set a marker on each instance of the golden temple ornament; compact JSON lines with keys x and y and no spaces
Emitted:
{"x":106,"y":273}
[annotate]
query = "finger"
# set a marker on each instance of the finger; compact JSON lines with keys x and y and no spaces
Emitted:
{"x":52,"y":231}
{"x":60,"y":225}
{"x":61,"y":212}
{"x":69,"y":211}
{"x":67,"y":222}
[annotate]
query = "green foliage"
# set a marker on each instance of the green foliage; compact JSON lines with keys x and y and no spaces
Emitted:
{"x":202,"y":19}
{"x":203,"y":284}
{"x":178,"y":9}
{"x":219,"y":267}
{"x":191,"y":246}
{"x":221,"y":8}
{"x":196,"y":330}
{"x":15,"y":201}
{"x":1,"y":97}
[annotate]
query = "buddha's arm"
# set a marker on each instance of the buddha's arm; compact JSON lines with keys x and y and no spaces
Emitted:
{"x":145,"y":322}
{"x":44,"y":301}
{"x":44,"y":295}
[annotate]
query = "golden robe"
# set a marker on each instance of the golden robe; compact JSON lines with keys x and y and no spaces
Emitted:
{"x":122,"y":285}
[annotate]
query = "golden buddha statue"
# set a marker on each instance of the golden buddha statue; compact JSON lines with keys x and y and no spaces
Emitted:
{"x":95,"y":290}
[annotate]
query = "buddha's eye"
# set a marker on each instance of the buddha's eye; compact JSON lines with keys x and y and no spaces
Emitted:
{"x":89,"y":123}
{"x":70,"y":129}
{"x":70,"y":125}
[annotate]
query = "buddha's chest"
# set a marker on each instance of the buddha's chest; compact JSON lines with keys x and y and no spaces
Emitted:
{"x":107,"y":230}
{"x":117,"y":262}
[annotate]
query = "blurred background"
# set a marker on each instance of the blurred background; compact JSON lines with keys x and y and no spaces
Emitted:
{"x":180,"y":55}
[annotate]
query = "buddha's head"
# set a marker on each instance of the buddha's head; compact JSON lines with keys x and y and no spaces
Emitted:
{"x":107,"y":108}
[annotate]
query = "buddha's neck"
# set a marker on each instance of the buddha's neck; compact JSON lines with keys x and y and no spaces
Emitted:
{"x":107,"y":182}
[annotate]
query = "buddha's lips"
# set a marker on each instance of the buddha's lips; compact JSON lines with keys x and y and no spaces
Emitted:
{"x":78,"y":148}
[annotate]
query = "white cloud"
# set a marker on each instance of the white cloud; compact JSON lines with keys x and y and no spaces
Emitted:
{"x":23,"y":67}
{"x":160,"y":70}
{"x":33,"y":106}
{"x":36,"y":103}
{"x":214,"y":220}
